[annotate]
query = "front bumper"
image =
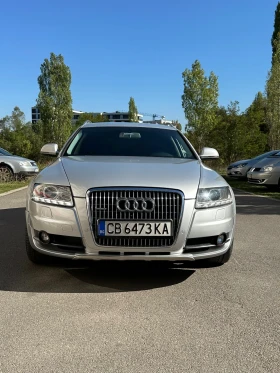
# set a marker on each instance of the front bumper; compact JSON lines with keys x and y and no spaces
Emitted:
{"x":74,"y":222}
{"x":263,"y":178}
{"x":237,"y":172}
{"x":28,"y":171}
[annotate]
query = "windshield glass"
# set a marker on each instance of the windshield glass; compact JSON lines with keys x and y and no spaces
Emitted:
{"x":4,"y":152}
{"x":129,"y":142}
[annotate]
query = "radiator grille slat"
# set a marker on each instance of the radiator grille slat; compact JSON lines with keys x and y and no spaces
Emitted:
{"x":103,"y":205}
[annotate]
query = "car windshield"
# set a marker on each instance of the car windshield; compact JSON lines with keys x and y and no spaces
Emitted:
{"x":129,"y":142}
{"x":4,"y":152}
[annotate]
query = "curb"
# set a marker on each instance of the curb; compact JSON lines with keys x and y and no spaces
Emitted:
{"x":13,"y":191}
{"x":252,"y":194}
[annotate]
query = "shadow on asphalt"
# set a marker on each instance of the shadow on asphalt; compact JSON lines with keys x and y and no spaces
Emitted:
{"x":18,"y":274}
{"x":252,"y":205}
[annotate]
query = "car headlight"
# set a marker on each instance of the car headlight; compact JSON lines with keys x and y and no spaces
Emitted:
{"x":52,"y":194}
{"x":212,"y":197}
{"x":266,"y":169}
{"x":242,"y":165}
{"x":24,"y":164}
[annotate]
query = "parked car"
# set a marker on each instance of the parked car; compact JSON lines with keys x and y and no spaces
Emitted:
{"x":266,"y":172}
{"x":239,"y":169}
{"x":13,"y":165}
{"x":129,"y":191}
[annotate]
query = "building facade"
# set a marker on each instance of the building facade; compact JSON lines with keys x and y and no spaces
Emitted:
{"x":116,"y":116}
{"x":159,"y":121}
{"x":119,"y":116}
{"x":35,"y":115}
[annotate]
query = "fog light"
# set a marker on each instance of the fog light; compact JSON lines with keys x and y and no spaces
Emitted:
{"x":44,"y":237}
{"x":221,"y":239}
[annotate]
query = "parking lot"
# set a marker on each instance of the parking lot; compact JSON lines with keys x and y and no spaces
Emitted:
{"x":99,"y":317}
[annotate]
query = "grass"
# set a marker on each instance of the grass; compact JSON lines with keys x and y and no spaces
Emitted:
{"x":256,"y":189}
{"x":7,"y":187}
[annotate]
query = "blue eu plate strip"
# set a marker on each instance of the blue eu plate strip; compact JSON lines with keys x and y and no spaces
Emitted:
{"x":101,"y":228}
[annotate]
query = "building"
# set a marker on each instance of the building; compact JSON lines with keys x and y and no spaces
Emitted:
{"x":116,"y":116}
{"x":35,"y":115}
{"x":159,"y":121}
{"x":119,"y":116}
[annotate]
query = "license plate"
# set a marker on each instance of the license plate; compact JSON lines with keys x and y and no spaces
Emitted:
{"x":139,"y":228}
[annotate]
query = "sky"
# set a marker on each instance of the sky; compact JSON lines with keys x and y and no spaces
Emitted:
{"x":121,"y":48}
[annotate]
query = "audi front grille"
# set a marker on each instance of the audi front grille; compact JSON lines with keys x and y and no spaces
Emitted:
{"x":103,"y":205}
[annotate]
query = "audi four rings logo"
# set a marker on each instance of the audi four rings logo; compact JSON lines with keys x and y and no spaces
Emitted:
{"x":135,"y":204}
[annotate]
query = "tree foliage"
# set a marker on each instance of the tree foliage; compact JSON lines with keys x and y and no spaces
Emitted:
{"x":20,"y":137}
{"x":91,"y":117}
{"x":276,"y":29}
{"x":237,"y":135}
{"x":200,"y":102}
{"x":176,"y":124}
{"x":273,"y":99}
{"x":132,"y":111}
{"x":54,"y":99}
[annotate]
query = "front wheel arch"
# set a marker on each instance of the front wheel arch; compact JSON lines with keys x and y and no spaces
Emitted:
{"x":3,"y":164}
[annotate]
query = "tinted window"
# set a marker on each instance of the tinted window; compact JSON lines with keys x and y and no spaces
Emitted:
{"x":4,"y":152}
{"x":130,"y":142}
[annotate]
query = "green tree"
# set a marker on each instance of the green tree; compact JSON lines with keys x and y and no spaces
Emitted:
{"x":19,"y":137}
{"x":132,"y":110}
{"x":93,"y":118}
{"x":14,"y":121}
{"x":276,"y":29}
{"x":225,"y":137}
{"x":273,"y":99}
{"x":200,"y":102}
{"x":176,"y":124}
{"x":237,"y":135}
{"x":54,"y":99}
{"x":83,"y":118}
{"x":3,"y":123}
{"x":257,"y":112}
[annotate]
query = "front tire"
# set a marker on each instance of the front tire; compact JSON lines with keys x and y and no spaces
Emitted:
{"x":222,"y":259}
{"x":33,"y":255}
{"x":6,"y":174}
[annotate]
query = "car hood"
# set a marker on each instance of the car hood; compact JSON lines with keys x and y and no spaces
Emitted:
{"x":14,"y":158}
{"x":239,"y":162}
{"x":88,"y":172}
{"x":271,"y":161}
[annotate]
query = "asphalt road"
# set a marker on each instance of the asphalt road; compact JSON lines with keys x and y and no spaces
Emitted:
{"x":86,"y":317}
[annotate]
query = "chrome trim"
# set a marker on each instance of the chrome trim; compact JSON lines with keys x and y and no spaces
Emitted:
{"x":57,"y":244}
{"x":200,"y":246}
{"x":206,"y":245}
{"x":163,"y":190}
{"x":132,"y":204}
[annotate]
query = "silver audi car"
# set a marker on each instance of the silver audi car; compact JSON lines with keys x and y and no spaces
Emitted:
{"x":129,"y":191}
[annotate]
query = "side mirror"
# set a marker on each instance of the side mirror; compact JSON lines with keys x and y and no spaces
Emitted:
{"x":50,"y":149}
{"x":209,"y":153}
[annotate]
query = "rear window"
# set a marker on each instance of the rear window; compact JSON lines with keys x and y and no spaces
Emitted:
{"x":129,"y":142}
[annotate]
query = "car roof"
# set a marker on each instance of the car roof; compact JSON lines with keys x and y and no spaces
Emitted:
{"x":129,"y":125}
